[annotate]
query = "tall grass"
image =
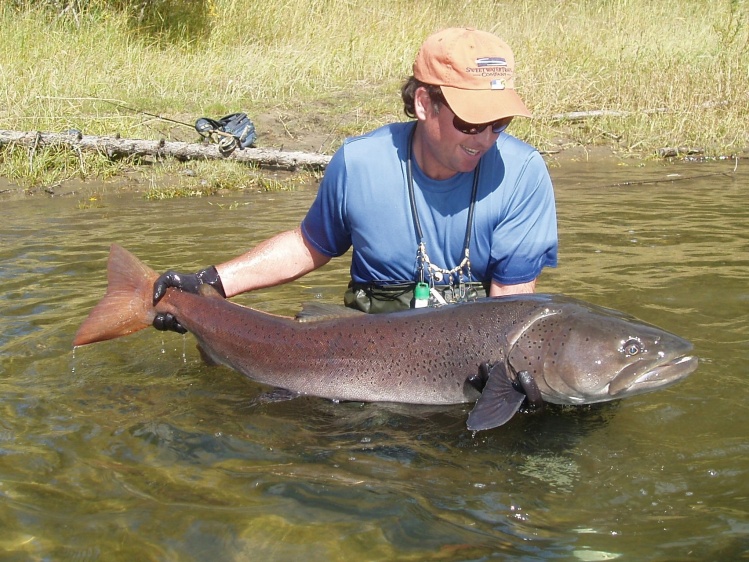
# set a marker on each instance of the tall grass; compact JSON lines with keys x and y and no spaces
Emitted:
{"x":679,"y":68}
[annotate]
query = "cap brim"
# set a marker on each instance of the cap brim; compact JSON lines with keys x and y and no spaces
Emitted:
{"x":484,"y":106}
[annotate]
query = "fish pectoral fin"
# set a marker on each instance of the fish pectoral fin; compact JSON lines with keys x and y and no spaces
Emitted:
{"x":532,"y":392}
{"x":478,"y":381}
{"x":498,"y":402}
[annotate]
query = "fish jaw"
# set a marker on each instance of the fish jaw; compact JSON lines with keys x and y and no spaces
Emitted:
{"x":633,"y":380}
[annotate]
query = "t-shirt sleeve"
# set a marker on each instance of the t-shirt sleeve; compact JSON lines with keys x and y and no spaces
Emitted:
{"x":525,"y":240}
{"x":326,"y":226}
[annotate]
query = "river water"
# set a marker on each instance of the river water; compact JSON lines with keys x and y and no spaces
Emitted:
{"x":135,"y":450}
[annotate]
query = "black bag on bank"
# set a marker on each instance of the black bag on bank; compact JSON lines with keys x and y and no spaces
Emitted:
{"x":230,"y":132}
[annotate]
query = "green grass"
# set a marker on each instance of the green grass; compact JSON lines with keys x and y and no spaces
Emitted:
{"x":329,"y":69}
{"x":52,"y":165}
{"x":173,"y":179}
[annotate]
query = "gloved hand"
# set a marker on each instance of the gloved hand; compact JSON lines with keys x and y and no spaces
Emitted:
{"x":187,"y":282}
{"x":167,"y":321}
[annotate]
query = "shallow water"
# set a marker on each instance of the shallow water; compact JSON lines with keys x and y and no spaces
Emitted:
{"x":134,"y":450}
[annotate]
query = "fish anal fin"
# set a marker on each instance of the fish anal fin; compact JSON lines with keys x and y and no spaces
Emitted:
{"x":206,"y":357}
{"x":499,"y":401}
{"x":274,"y":396}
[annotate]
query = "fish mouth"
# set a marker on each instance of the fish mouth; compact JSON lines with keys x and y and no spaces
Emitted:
{"x":632,"y":380}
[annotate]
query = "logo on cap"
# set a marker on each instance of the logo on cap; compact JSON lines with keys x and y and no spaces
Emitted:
{"x":497,"y":84}
{"x":490,"y":61}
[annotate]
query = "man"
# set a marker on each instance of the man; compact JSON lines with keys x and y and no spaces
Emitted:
{"x":449,"y":200}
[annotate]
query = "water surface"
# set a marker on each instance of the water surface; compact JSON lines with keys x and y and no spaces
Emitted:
{"x":135,"y":450}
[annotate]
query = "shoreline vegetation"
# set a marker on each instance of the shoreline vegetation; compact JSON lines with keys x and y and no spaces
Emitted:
{"x":622,"y":77}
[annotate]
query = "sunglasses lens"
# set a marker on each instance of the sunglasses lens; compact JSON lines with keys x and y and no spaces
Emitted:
{"x":471,"y":129}
{"x":499,"y":126}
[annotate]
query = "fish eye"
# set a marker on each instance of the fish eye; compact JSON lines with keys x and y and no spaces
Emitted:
{"x":632,"y":347}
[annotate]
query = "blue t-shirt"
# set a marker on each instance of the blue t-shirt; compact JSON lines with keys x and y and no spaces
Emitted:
{"x":363,"y":202}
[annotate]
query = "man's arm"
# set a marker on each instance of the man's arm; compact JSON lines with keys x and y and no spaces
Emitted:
{"x":500,"y":290}
{"x":285,"y":257}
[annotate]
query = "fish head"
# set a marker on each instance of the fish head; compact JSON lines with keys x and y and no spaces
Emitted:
{"x":579,"y":353}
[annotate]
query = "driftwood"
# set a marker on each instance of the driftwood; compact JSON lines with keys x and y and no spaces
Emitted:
{"x":670,"y":151}
{"x":115,"y":147}
{"x":576,"y":116}
{"x":665,"y":152}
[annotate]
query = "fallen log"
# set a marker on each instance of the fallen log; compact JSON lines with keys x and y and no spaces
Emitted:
{"x":115,"y":147}
{"x":576,"y":116}
{"x":671,"y":151}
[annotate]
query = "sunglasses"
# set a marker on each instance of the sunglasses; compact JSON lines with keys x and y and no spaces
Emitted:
{"x":474,"y":129}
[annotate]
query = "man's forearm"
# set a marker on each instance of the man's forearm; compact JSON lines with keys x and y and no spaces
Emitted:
{"x":285,"y":257}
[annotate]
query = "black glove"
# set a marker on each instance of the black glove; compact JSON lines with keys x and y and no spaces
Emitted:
{"x":187,"y":282}
{"x":167,"y":321}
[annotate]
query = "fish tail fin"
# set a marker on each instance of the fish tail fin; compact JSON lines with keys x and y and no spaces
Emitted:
{"x":127,"y":305}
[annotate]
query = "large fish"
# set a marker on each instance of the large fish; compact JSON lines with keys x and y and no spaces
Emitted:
{"x":492,"y":351}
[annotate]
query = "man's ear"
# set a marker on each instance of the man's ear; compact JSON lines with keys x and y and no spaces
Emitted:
{"x":423,"y":105}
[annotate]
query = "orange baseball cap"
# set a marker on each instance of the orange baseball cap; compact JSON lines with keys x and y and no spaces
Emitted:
{"x":475,"y":71}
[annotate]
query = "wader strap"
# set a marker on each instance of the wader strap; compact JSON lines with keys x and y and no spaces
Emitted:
{"x":374,"y":298}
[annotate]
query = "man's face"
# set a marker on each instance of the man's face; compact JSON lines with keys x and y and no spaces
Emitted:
{"x":442,"y":150}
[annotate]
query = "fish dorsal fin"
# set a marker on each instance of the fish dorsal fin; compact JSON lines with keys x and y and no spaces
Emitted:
{"x":316,"y":311}
{"x":498,"y":401}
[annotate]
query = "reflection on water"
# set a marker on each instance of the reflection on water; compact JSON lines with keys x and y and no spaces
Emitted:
{"x":135,"y":450}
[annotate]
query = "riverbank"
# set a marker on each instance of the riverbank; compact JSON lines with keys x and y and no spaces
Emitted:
{"x":56,"y":170}
{"x":602,"y":78}
{"x":159,"y":179}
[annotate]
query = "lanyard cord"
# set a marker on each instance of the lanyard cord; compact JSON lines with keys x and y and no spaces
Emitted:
{"x":417,"y":224}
